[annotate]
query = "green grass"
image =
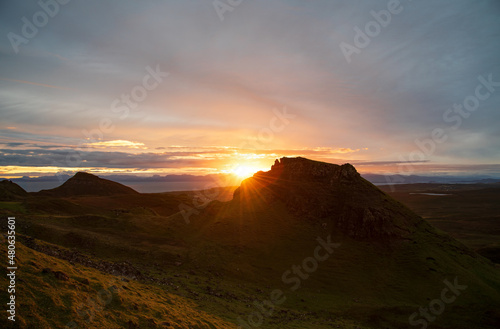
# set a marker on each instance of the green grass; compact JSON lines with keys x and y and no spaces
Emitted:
{"x":240,"y":251}
{"x":46,"y":302}
{"x":15,"y":207}
{"x":471,"y":213}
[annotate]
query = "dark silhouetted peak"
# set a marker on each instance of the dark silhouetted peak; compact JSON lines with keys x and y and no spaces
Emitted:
{"x":11,"y":191}
{"x":324,"y":192}
{"x":83,"y":183}
{"x":84,"y":176}
{"x":305,"y":169}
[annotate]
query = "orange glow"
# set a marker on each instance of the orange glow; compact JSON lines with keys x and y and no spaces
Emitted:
{"x":11,"y":172}
{"x":244,"y":171}
{"x":117,"y":143}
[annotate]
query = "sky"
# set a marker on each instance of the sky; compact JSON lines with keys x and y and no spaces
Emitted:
{"x":205,"y":87}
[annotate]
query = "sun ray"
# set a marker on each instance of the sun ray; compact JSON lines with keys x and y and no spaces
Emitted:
{"x":245,"y":171}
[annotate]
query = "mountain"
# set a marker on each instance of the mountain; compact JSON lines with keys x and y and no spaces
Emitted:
{"x":388,"y":257}
{"x":316,"y":190}
{"x":10,"y":191}
{"x":87,"y":184}
{"x":306,"y":244}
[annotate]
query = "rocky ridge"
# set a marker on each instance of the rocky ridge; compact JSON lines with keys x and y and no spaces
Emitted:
{"x":330,"y":193}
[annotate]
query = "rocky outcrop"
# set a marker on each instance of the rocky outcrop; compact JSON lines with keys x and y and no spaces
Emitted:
{"x":304,"y":169}
{"x":330,"y":193}
{"x":124,"y":269}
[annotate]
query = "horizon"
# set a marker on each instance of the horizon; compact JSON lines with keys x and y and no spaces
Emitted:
{"x":188,"y":182}
{"x":250,"y":163}
{"x":224,"y":92}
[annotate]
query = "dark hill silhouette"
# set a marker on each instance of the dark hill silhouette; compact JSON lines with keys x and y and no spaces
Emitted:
{"x":387,"y":253}
{"x":10,"y":191}
{"x":87,"y":184}
{"x":383,"y":262}
{"x":322,"y":192}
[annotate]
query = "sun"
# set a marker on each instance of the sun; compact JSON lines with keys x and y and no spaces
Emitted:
{"x":243,"y":171}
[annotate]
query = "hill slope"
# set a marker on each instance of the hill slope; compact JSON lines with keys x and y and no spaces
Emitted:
{"x":87,"y":184}
{"x":56,"y":294}
{"x":315,"y":190}
{"x":388,"y":257}
{"x":10,"y":191}
{"x":377,"y":263}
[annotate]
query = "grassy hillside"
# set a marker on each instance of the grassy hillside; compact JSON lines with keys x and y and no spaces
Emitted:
{"x":231,"y":258}
{"x":53,"y":293}
{"x":10,"y":191}
{"x":468,"y":212}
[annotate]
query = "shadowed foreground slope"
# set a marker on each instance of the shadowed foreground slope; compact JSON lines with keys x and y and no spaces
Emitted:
{"x":377,"y":263}
{"x":389,"y":260}
{"x":56,"y":294}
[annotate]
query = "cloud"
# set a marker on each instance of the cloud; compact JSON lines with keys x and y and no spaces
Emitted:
{"x":116,"y":143}
{"x":35,"y":84}
{"x":226,"y":78}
